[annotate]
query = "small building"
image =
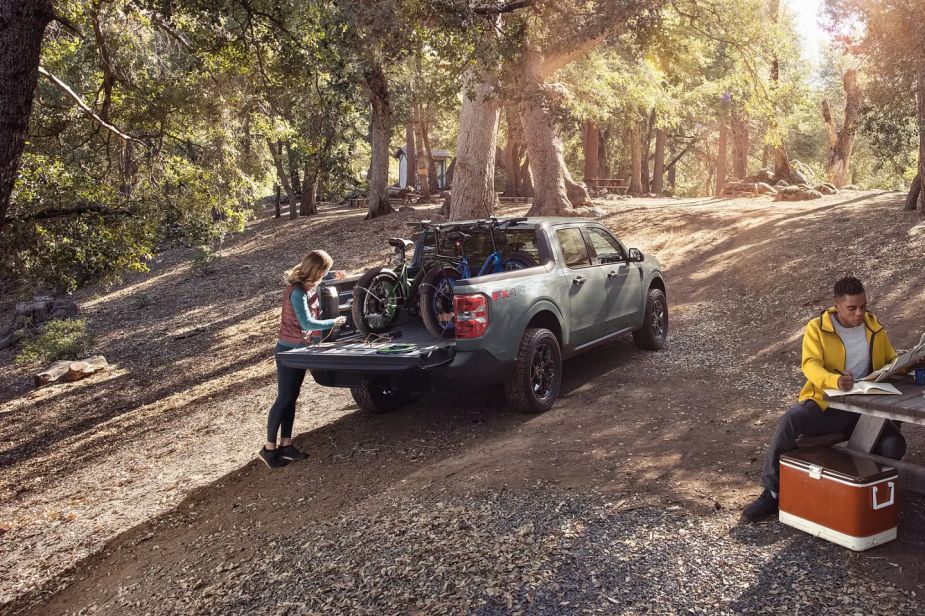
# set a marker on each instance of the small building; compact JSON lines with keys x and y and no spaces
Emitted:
{"x":441,"y":162}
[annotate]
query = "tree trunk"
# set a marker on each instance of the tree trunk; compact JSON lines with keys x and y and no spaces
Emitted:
{"x":294,"y":178}
{"x":721,"y":157}
{"x":603,"y":170}
{"x":920,"y":106}
{"x":658,"y":173}
{"x":526,"y":178}
{"x":739,"y":145}
{"x":782,"y":170}
{"x":646,"y":148}
{"x":423,"y":159}
{"x":912,"y":198}
{"x":841,"y":142}
{"x":411,"y":161}
{"x":23,"y":26}
{"x":635,"y":186}
{"x":473,"y":193}
{"x":276,"y":150}
{"x":592,"y":145}
{"x":431,"y":163}
{"x":555,"y":192}
{"x":513,"y":152}
{"x":309,"y":203}
{"x":380,"y":129}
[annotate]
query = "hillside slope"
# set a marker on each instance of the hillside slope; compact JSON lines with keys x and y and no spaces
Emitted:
{"x":185,"y":405}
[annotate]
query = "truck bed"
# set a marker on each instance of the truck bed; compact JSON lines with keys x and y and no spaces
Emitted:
{"x":354,"y":353}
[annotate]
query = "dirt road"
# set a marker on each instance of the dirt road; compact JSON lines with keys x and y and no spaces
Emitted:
{"x":137,"y":491}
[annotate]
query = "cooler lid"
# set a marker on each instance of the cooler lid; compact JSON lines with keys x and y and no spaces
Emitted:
{"x":840,"y":464}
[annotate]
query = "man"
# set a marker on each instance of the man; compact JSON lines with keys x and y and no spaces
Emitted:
{"x":843,"y":343}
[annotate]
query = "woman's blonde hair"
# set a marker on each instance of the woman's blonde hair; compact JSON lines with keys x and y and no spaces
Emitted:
{"x":311,"y":270}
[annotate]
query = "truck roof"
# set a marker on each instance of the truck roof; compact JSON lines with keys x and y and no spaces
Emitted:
{"x":530,"y":222}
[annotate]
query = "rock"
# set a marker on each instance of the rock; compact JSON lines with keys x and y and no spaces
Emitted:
{"x":52,"y":373}
{"x":797,"y":193}
{"x":766,"y":189}
{"x":850,"y":187}
{"x":83,"y":368}
{"x":765,"y":175}
{"x":782,"y":184}
{"x":827,"y":189}
{"x":797,"y":178}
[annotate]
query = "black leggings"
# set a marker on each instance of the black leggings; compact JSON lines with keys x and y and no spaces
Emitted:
{"x":282,"y":413}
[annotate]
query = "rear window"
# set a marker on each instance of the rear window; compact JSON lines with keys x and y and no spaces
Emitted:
{"x":479,"y":245}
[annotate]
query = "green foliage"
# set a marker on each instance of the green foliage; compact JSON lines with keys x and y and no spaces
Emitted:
{"x":60,"y":339}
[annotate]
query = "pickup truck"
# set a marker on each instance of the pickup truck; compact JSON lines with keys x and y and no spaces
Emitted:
{"x":513,"y":328}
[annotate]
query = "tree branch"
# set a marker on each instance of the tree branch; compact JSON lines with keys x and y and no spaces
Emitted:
{"x":86,"y":108}
{"x":61,"y":212}
{"x":829,"y":122}
{"x":508,"y":7}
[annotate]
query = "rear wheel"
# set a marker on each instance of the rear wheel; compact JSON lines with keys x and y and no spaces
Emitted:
{"x":376,"y":395}
{"x":375,"y":300}
{"x":653,"y":334}
{"x":538,"y":372}
{"x":437,"y":309}
{"x":518,"y":261}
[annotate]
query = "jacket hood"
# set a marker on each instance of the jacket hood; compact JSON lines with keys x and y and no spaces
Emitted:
{"x":825,"y":320}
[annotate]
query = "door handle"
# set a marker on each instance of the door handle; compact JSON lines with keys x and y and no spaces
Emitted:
{"x":578,"y":281}
{"x":612,"y":274}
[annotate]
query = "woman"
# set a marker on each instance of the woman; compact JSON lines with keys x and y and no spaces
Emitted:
{"x":301,"y":322}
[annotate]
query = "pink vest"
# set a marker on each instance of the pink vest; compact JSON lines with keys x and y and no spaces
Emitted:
{"x":290,"y":330}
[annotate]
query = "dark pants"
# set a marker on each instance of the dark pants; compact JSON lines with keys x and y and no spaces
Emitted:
{"x":807,"y":419}
{"x":282,"y":413}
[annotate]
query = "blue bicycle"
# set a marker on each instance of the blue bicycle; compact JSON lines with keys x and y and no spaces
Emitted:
{"x":437,"y":287}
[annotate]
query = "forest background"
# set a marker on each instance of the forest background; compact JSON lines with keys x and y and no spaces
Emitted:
{"x":133,"y":125}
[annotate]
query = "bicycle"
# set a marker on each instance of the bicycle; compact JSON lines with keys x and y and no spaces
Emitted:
{"x":437,"y":287}
{"x":381,"y":292}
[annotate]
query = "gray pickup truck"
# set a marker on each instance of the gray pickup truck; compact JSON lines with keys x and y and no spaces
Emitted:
{"x":519,"y":325}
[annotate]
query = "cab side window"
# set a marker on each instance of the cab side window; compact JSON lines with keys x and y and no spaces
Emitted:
{"x":606,"y":248}
{"x":573,"y":248}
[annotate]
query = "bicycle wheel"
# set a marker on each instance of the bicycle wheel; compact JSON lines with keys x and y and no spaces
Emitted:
{"x":437,"y":310}
{"x":518,"y":261}
{"x":375,"y":300}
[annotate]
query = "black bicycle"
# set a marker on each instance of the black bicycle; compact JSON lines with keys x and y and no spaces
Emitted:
{"x":437,"y":287}
{"x":382,"y":292}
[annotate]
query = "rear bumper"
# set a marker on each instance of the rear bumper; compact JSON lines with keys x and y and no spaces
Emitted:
{"x":466,"y":370}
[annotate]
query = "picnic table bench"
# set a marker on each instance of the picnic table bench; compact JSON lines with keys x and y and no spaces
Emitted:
{"x":612,"y":185}
{"x":875,"y":411}
{"x":513,"y":200}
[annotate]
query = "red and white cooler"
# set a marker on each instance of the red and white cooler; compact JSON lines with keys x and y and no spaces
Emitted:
{"x":839,"y":496}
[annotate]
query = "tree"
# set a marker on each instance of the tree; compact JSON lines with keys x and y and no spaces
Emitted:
{"x":841,"y":142}
{"x":23,"y":26}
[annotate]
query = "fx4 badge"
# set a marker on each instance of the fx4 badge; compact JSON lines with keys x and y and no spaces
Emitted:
{"x":503,"y":294}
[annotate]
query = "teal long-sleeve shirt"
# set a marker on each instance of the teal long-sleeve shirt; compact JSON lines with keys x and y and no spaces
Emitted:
{"x":299,"y":299}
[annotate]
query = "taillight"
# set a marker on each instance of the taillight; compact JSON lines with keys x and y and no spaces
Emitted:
{"x":471,"y":315}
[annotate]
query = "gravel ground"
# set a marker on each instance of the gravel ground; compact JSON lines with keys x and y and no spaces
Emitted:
{"x":546,"y":552}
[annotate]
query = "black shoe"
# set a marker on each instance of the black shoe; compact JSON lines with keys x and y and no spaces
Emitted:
{"x":272,"y":458}
{"x":762,"y":507}
{"x":289,"y":452}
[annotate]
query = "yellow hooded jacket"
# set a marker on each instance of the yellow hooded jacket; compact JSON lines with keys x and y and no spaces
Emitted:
{"x":824,"y":354}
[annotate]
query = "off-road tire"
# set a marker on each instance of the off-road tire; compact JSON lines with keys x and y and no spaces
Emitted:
{"x":521,"y":259}
{"x":537,"y":377}
{"x":375,"y":395}
{"x":428,"y":291}
{"x":360,"y":297}
{"x":653,"y":334}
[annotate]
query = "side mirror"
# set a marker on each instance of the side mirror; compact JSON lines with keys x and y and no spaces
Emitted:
{"x":635,"y":255}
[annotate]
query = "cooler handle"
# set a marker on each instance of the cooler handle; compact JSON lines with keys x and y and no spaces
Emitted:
{"x":889,"y":500}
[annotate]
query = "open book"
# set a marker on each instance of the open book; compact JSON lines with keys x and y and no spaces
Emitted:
{"x":864,"y":387}
{"x":913,"y":358}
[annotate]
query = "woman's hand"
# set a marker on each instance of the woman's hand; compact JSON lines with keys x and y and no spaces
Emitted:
{"x":339,"y":321}
{"x":339,"y":274}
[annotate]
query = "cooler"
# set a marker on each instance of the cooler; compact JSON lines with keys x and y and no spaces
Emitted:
{"x":839,"y":496}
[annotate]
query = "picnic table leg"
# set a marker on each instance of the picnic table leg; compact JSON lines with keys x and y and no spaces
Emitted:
{"x":866,"y":432}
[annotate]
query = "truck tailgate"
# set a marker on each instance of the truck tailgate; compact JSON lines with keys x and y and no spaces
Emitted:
{"x":360,"y":353}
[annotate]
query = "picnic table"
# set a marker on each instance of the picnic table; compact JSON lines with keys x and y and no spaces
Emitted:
{"x":612,"y":185}
{"x":875,"y":411}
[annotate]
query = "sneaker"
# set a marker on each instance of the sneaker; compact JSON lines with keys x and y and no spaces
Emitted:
{"x":272,"y":458}
{"x":762,"y":507}
{"x":289,"y":452}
